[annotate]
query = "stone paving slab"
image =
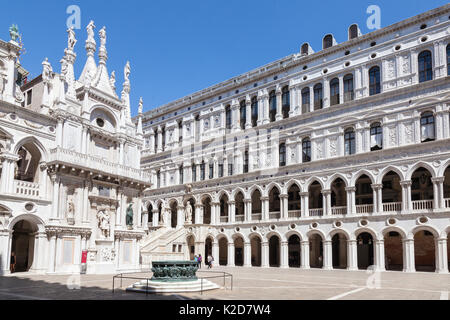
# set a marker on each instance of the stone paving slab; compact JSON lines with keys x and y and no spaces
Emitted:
{"x":248,"y":284}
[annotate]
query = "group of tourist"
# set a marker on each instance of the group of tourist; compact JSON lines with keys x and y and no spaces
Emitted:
{"x":209,"y":262}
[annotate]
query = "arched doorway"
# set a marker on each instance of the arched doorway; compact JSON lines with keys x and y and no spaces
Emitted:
{"x":256,"y":205}
{"x":294,"y":198}
{"x":255,"y":243}
{"x":339,"y":251}
{"x":206,"y":210}
{"x":274,"y":251}
{"x":191,"y":247}
{"x":160,"y":211}
{"x":27,"y":168}
{"x":208,"y":247}
{"x":315,"y":199}
{"x":393,"y":250}
{"x":174,"y":214}
{"x":239,"y":205}
{"x":239,"y":252}
{"x":274,"y":204}
{"x":294,"y":251}
{"x":316,"y":251}
{"x":365,"y":251}
{"x":22,"y":245}
{"x":424,"y":251}
{"x":224,"y":217}
{"x":392,"y":192}
{"x":364,"y":195}
{"x":422,"y":194}
{"x":150,"y":214}
{"x":223,"y":251}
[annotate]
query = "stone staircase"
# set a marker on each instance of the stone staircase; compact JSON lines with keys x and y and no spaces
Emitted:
{"x":158,"y":246}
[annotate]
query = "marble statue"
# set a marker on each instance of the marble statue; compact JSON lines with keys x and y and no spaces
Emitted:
{"x":71,"y":41}
{"x":64,"y":67}
{"x":112,"y":80}
{"x":141,"y":105}
{"x":126,"y":72}
{"x":47,"y":71}
{"x":90,"y":31}
{"x":103,"y":223}
{"x":70,"y":209}
{"x":130,"y":215}
{"x":188,"y":212}
{"x":102,"y":34}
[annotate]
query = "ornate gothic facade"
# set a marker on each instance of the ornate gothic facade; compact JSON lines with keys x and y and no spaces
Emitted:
{"x":332,"y":159}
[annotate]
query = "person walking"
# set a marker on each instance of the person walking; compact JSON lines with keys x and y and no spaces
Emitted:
{"x":210,"y":261}
{"x":196,"y":259}
{"x":200,"y":261}
{"x":13,"y":262}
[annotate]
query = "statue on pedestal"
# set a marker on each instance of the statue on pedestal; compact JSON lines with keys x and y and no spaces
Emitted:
{"x":188,"y":213}
{"x":130,"y":216}
{"x":71,"y":41}
{"x":103,"y":223}
{"x":70,"y":212}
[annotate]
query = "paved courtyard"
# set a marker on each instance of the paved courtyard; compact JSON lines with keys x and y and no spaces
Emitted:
{"x":249,"y":284}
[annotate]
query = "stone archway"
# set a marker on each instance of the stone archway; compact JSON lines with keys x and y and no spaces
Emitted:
{"x":393,"y":250}
{"x":316,"y":251}
{"x":239,"y":252}
{"x":294,"y":251}
{"x":208,"y":247}
{"x":365,"y":250}
{"x":424,"y":251}
{"x":223,"y":251}
{"x":339,"y":251}
{"x":191,"y":247}
{"x":23,"y":245}
{"x":255,"y":243}
{"x":274,"y":251}
{"x":174,"y":214}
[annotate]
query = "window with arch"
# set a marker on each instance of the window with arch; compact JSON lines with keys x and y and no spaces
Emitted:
{"x":327,"y":41}
{"x":254,"y":111}
{"x":376,"y":137}
{"x":220,"y":167}
{"x":334,"y":91}
{"x":211,"y":171}
{"x":349,"y":93}
{"x":181,"y":174}
{"x":318,"y":96}
{"x":285,"y":102}
{"x":272,"y":106}
{"x":158,"y":179}
{"x":194,"y":172}
{"x":448,"y":59}
{"x":425,"y":66}
{"x":228,"y":117}
{"x":374,"y":81}
{"x":282,"y":155}
{"x":305,"y":100}
{"x":163,"y":133}
{"x":202,"y":171}
{"x":246,"y":161}
{"x":230,"y":169}
{"x":349,"y":141}
{"x":180,"y":131}
{"x":243,"y":114}
{"x":306,"y":150}
{"x":427,"y":127}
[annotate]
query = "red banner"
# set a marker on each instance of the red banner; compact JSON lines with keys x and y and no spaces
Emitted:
{"x":84,"y":256}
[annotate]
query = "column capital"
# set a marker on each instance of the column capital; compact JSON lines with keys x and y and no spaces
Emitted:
{"x":284,"y":196}
{"x":377,"y":186}
{"x":304,"y":194}
{"x":326,"y":192}
{"x":406,"y":183}
{"x":351,"y":189}
{"x":438,"y":180}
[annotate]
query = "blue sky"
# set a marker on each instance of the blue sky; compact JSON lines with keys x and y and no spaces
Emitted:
{"x":179,"y":47}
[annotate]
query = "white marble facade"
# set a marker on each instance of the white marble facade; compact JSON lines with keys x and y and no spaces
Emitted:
{"x":338,"y":158}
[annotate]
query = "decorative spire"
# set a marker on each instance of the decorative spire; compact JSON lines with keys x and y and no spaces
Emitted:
{"x":102,"y":80}
{"x":68,"y":62}
{"x":139,"y":131}
{"x":126,"y":91}
{"x":47,"y":75}
{"x":91,"y":46}
{"x":112,"y":80}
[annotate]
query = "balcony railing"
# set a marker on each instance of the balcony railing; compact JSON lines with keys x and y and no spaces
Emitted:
{"x":256,"y":217}
{"x":422,"y":205}
{"x":96,"y":163}
{"x":349,"y":96}
{"x":274,"y":215}
{"x":447,"y":203}
{"x":223,"y":219}
{"x":294,"y":214}
{"x":28,"y":189}
{"x":316,"y":212}
{"x":335,"y":211}
{"x":392,"y":207}
{"x":364,"y":209}
{"x":334,"y":100}
{"x":239,"y":218}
